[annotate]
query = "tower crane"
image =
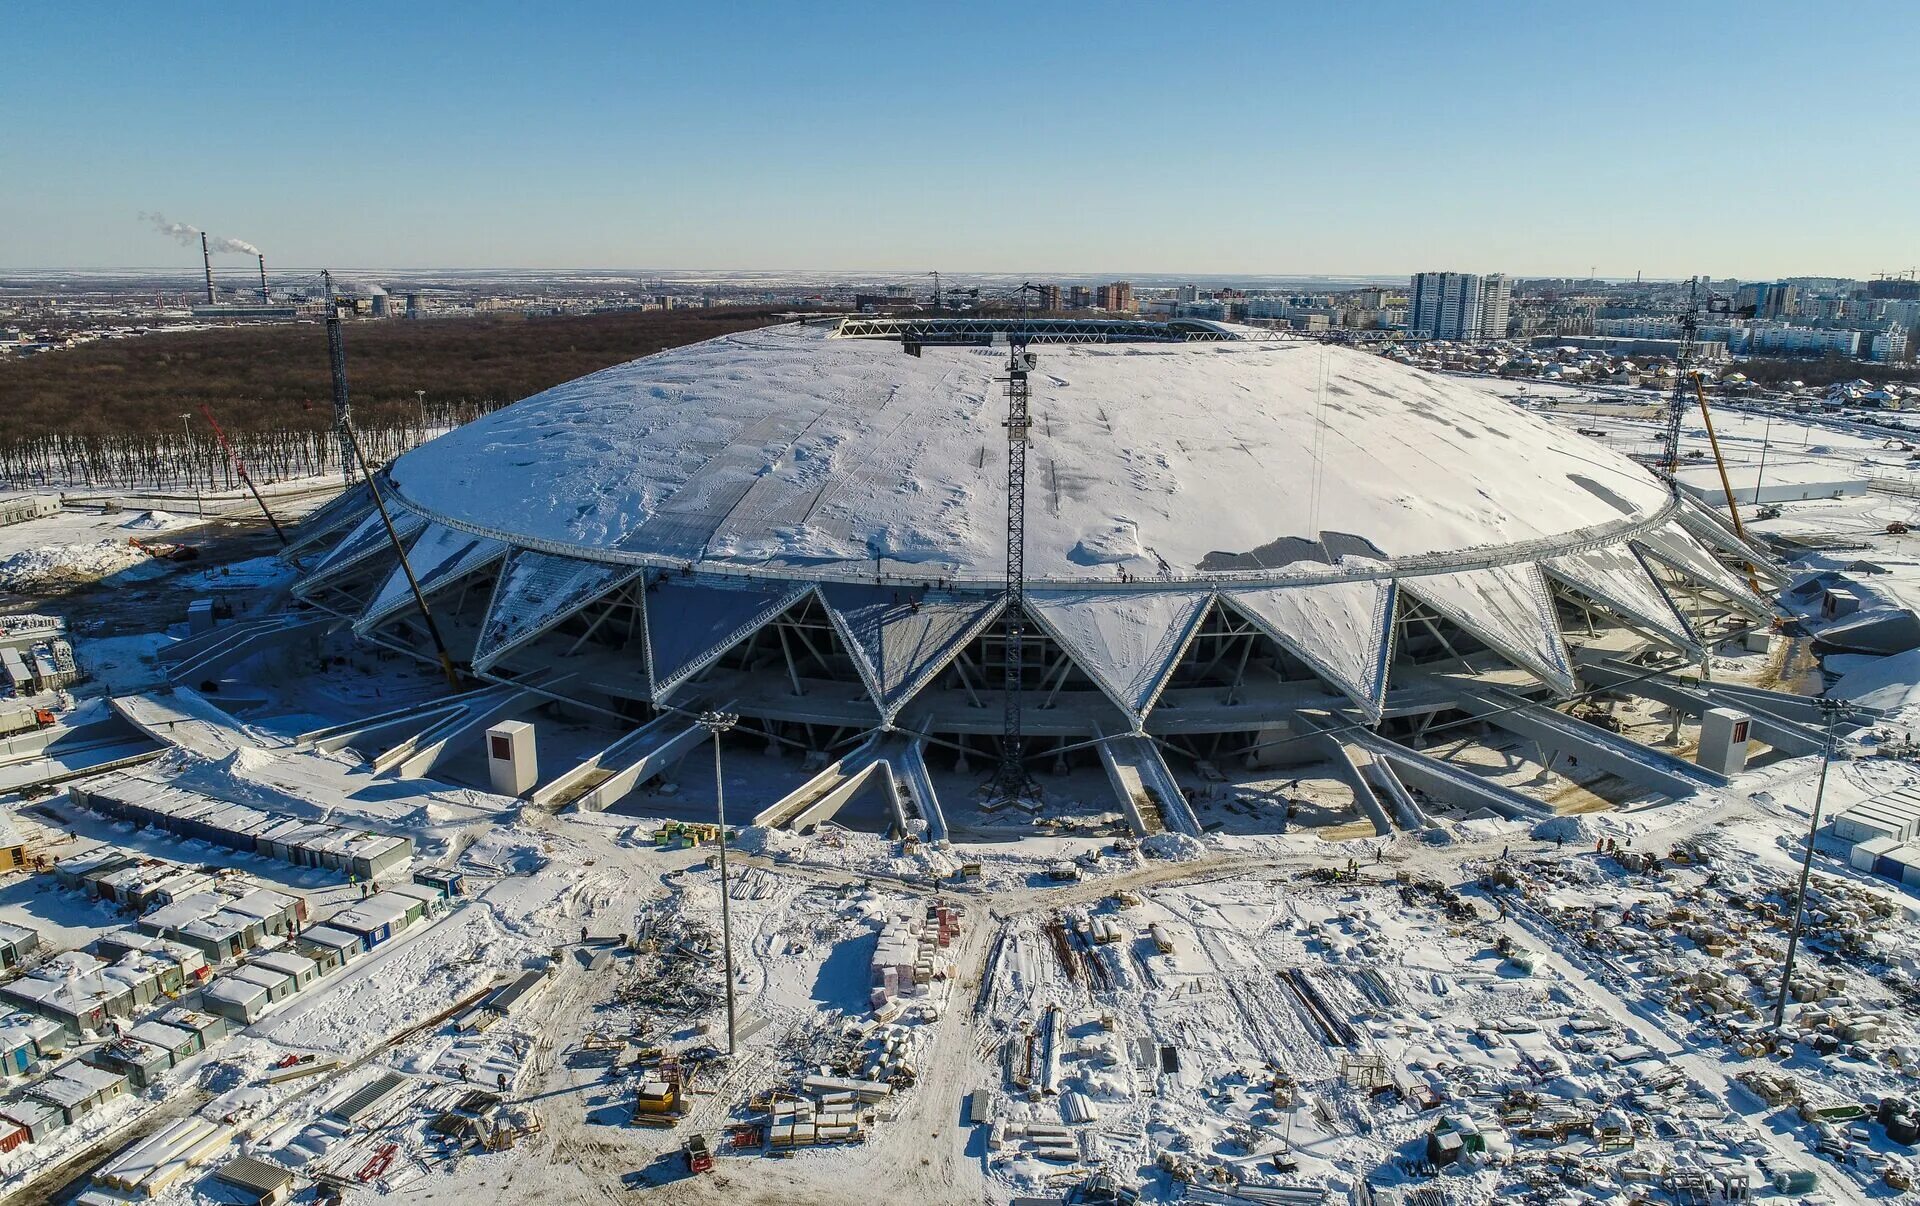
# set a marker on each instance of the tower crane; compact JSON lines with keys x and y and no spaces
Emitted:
{"x":1011,"y":779}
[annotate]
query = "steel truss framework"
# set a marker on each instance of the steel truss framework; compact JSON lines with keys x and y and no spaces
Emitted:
{"x":803,"y":671}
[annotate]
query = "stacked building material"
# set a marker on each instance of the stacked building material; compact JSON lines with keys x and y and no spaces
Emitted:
{"x":152,"y":1165}
{"x":909,"y":958}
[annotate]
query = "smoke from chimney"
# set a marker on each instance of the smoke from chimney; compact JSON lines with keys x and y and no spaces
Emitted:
{"x":185,"y":235}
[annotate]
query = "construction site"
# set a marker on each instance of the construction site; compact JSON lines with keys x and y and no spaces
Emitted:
{"x":979,"y":760}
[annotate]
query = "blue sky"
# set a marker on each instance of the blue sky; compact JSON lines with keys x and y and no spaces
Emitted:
{"x":1754,"y":140}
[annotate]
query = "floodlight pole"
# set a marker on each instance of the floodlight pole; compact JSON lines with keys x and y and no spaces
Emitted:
{"x":1831,"y":707}
{"x":716,"y":723}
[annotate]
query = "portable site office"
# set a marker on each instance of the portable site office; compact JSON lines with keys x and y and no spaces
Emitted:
{"x":71,"y":990}
{"x":446,"y":880}
{"x":41,"y":1120}
{"x":378,"y":917}
{"x":234,"y":997}
{"x":142,"y":1063}
{"x":328,"y":946}
{"x":191,"y":961}
{"x":76,"y":1090}
{"x":26,"y":1038}
{"x":177,"y":1042}
{"x":302,"y":970}
{"x":145,"y":801}
{"x":279,"y":984}
{"x":73,"y":871}
{"x":209,"y":1028}
{"x":16,"y":943}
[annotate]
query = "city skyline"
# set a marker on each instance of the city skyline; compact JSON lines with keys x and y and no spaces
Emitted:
{"x":1238,"y":140}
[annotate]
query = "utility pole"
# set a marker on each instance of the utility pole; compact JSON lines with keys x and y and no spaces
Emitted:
{"x":938,"y":303}
{"x":1832,"y":708}
{"x":199,"y":502}
{"x":716,"y":723}
{"x":421,"y":394}
{"x":1012,"y":781}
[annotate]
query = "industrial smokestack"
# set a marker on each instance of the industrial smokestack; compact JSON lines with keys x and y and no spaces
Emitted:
{"x":206,"y":258}
{"x":264,"y":298}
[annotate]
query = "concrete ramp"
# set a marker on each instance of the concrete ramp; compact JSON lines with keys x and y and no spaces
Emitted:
{"x":917,"y":781}
{"x":236,"y":643}
{"x":608,"y":777}
{"x":1149,"y":795}
{"x":199,"y":643}
{"x":1405,"y":807}
{"x":1354,"y":764}
{"x":824,"y":795}
{"x":1772,"y":725}
{"x":426,"y":743}
{"x":1371,"y":780}
{"x":416,"y":758}
{"x":334,"y":738}
{"x":1445,"y":781}
{"x":1611,"y":752}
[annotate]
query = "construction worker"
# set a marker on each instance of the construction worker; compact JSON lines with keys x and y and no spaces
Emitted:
{"x":464,"y":1072}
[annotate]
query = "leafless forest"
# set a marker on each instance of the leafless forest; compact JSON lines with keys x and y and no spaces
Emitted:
{"x":127,"y":413}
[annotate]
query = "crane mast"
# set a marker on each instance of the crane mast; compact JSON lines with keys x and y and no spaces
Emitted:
{"x":1011,"y":780}
{"x":1677,"y":403}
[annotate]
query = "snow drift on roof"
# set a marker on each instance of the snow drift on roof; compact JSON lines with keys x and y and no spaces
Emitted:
{"x":537,"y":591}
{"x":692,"y":621}
{"x":1615,"y":577}
{"x":787,"y":449}
{"x":1126,"y":641}
{"x":439,"y":556}
{"x":1506,"y":606}
{"x":1342,"y":630}
{"x":900,"y":639}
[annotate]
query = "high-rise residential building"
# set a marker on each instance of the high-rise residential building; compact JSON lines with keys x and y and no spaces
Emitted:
{"x":1890,"y":345}
{"x":1775,"y":300}
{"x":1496,"y":298}
{"x":1079,"y":297}
{"x":1116,"y":298}
{"x":1460,"y":305}
{"x":1188,"y":293}
{"x":1049,"y":298}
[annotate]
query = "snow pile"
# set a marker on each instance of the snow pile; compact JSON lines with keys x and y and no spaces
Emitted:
{"x":1577,"y":829}
{"x":1887,"y":682}
{"x":158,"y":521}
{"x":59,"y":564}
{"x":1174,"y":847}
{"x":504,"y":852}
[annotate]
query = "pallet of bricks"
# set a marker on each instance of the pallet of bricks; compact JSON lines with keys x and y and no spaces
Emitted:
{"x":908,"y":958}
{"x":831,"y":1110}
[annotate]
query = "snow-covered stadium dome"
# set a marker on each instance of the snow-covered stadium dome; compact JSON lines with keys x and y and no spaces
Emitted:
{"x":1227,"y":532}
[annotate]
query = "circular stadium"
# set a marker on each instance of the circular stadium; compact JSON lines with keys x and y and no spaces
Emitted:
{"x":1233,"y":541}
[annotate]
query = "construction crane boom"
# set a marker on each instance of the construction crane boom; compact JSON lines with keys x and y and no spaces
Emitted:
{"x":240,"y":471}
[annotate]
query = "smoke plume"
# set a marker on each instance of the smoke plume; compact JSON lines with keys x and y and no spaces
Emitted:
{"x":187,"y":235}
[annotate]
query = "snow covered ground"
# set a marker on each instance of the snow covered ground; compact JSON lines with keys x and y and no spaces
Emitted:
{"x":1299,"y":1005}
